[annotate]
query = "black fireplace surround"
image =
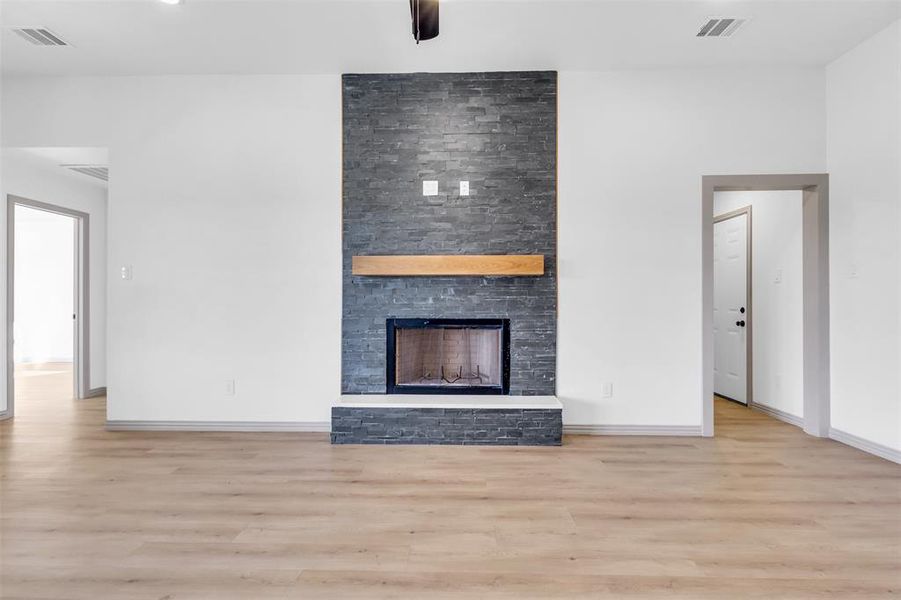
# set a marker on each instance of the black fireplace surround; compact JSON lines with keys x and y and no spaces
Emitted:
{"x":451,"y":382}
{"x":498,"y":131}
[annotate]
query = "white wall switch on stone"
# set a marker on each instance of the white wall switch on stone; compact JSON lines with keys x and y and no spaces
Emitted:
{"x":429,"y":188}
{"x":464,"y":188}
{"x":126,"y":272}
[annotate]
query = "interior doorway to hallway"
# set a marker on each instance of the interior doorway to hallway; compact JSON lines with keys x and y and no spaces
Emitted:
{"x":792,"y":290}
{"x":757,"y":301}
{"x":45,"y":294}
{"x":48,"y":296}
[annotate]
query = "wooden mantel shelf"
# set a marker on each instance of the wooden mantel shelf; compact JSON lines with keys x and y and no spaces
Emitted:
{"x":510,"y":265}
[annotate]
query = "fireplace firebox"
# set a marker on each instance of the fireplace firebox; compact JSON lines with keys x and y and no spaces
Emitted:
{"x":448,"y":356}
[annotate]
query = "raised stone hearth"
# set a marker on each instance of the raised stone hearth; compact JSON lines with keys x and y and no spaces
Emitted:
{"x":405,"y":419}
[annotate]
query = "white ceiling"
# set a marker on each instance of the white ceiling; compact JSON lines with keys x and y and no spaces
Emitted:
{"x":133,"y":37}
{"x":51,"y":159}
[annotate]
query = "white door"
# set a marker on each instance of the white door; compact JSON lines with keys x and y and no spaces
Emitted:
{"x":730,"y":303}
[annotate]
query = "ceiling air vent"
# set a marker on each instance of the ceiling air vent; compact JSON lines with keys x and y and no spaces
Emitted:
{"x":39,"y":36}
{"x":721,"y":27}
{"x":95,"y":171}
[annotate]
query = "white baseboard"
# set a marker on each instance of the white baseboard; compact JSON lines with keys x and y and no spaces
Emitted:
{"x":5,"y":414}
{"x":781,"y":415}
{"x":249,"y":426}
{"x":865,"y":445}
{"x":93,"y":393}
{"x":681,"y":430}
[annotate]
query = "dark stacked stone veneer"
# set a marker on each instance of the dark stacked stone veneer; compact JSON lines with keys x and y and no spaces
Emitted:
{"x":460,"y":426}
{"x":499,"y":132}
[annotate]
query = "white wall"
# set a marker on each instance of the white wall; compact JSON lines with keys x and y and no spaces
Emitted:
{"x":45,"y":277}
{"x":864,"y":160}
{"x":633,"y":147}
{"x":21,"y":177}
{"x":226,"y":199}
{"x":777,"y":296}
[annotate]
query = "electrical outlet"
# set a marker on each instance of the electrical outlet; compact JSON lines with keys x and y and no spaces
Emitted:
{"x":230,"y":387}
{"x":607,"y":390}
{"x":778,"y":277}
{"x":464,"y":188}
{"x":126,"y":272}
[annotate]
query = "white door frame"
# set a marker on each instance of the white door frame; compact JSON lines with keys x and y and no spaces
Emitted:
{"x":815,"y":265}
{"x":82,"y":295}
{"x":749,"y":312}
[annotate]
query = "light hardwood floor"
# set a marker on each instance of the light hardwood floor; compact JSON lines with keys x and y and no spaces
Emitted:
{"x":760,"y":511}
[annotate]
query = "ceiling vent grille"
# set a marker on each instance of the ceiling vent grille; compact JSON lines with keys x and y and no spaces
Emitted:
{"x":95,"y":171}
{"x":721,"y":27}
{"x":39,"y":36}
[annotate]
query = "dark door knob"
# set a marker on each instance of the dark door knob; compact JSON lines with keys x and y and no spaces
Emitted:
{"x":740,"y":323}
{"x":742,"y":310}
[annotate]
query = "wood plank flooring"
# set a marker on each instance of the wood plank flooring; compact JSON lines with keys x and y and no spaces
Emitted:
{"x":760,"y":511}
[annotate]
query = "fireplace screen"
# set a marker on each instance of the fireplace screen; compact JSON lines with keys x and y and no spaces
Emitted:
{"x":448,"y":356}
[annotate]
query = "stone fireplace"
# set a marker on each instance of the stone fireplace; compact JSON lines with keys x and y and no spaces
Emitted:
{"x":437,"y":168}
{"x":447,"y":356}
{"x":496,"y":131}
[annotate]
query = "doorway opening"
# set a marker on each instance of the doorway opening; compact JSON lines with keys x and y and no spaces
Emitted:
{"x":48,"y":299}
{"x":757,"y":303}
{"x":793,"y":308}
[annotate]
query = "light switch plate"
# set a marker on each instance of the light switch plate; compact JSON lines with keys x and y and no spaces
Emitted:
{"x":429,"y":188}
{"x":464,"y":188}
{"x":607,"y":390}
